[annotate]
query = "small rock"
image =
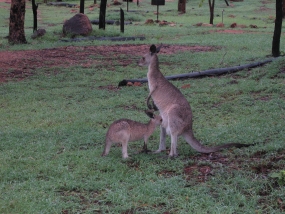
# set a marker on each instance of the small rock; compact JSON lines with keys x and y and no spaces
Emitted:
{"x":116,"y":2}
{"x":220,"y":25}
{"x":38,"y":33}
{"x":207,"y":25}
{"x":137,"y":84}
{"x":163,"y":23}
{"x":233,"y":25}
{"x":198,"y":24}
{"x":149,"y":21}
{"x":186,"y":86}
{"x":241,"y":26}
{"x":253,"y":26}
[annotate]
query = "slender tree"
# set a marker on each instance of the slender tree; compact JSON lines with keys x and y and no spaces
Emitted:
{"x":102,"y":14}
{"x":283,"y":8}
{"x":211,"y":6}
{"x":277,"y":29}
{"x":182,"y":6}
{"x":81,"y":9}
{"x":35,"y":13}
{"x":17,"y":20}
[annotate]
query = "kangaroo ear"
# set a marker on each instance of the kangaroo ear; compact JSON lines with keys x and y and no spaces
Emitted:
{"x":149,"y":113}
{"x":152,"y":49}
{"x":158,"y":49}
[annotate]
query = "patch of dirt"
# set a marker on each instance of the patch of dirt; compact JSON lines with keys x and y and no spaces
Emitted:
{"x":166,"y":173}
{"x":133,"y":164}
{"x":109,"y":88}
{"x":260,"y":163}
{"x":84,"y":198}
{"x":21,"y":64}
{"x":199,"y":172}
{"x":263,"y":9}
{"x":231,"y":31}
{"x":266,"y":2}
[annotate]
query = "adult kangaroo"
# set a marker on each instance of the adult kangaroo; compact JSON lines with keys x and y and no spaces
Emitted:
{"x":173,"y":108}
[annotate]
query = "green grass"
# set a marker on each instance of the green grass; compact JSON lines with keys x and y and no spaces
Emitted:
{"x":52,"y":126}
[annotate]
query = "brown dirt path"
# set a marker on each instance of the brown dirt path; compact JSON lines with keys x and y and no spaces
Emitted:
{"x":21,"y":64}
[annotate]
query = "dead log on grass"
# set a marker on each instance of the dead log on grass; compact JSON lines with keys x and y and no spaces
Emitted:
{"x":210,"y":72}
{"x":110,"y":22}
{"x":118,"y":38}
{"x":64,"y":4}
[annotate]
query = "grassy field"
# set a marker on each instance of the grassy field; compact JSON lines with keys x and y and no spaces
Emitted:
{"x":53,"y":123}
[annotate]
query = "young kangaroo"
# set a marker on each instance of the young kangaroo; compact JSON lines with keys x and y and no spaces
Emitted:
{"x":125,"y":130}
{"x":173,"y":108}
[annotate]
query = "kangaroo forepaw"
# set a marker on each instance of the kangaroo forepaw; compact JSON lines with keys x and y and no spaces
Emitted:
{"x":152,"y":106}
{"x":155,"y":107}
{"x":149,"y":107}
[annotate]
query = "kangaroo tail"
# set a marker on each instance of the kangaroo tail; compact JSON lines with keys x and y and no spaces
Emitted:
{"x":195,"y":144}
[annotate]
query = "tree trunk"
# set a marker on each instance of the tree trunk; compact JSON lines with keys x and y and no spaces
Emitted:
{"x":35,"y":8}
{"x":277,"y":29}
{"x":211,"y":6}
{"x":81,"y":9}
{"x":17,"y":21}
{"x":182,"y":6}
{"x":122,"y":20}
{"x":102,"y":14}
{"x":227,"y":3}
{"x":283,"y":8}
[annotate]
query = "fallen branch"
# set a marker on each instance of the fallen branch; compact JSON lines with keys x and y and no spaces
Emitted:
{"x":110,"y":22}
{"x":210,"y":72}
{"x":134,"y":11}
{"x":64,"y":4}
{"x":90,"y":38}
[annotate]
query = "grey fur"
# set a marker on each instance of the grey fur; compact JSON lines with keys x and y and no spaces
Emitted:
{"x":174,"y":109}
{"x":125,"y":130}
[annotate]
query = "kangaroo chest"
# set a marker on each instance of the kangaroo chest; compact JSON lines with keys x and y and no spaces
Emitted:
{"x":151,"y":83}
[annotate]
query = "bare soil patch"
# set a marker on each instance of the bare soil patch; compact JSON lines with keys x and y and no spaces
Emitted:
{"x":21,"y":64}
{"x":231,"y":31}
{"x":260,"y":163}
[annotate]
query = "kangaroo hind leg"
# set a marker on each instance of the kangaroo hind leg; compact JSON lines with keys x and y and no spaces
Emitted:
{"x":108,"y":144}
{"x":173,"y":148}
{"x":125,"y":149}
{"x":162,"y":146}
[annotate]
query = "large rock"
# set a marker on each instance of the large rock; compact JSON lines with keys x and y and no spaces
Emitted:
{"x":77,"y":25}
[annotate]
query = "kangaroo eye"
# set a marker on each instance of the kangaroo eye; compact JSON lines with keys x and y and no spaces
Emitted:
{"x":143,"y":58}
